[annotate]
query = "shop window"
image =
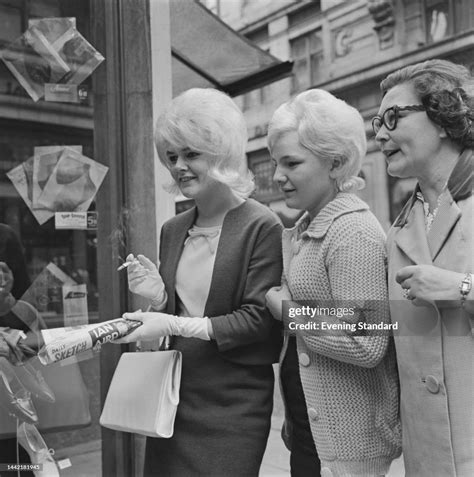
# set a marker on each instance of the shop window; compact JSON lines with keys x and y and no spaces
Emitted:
{"x":307,"y":54}
{"x":10,"y":23}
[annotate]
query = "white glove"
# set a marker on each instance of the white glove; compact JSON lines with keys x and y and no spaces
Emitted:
{"x":145,"y":280}
{"x":157,"y":325}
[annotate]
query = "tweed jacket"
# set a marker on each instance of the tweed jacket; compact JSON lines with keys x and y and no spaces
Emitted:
{"x":247,"y":264}
{"x":436,"y":365}
{"x":349,"y":380}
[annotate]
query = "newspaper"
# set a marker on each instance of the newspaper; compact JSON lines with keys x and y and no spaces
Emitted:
{"x":63,"y":343}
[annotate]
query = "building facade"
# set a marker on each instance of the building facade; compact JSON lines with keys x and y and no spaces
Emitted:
{"x":345,"y":47}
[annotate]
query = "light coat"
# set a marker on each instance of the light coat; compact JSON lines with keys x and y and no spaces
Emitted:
{"x":436,"y":364}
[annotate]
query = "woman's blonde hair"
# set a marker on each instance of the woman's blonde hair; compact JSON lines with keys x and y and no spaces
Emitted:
{"x":329,"y":128}
{"x":208,"y":121}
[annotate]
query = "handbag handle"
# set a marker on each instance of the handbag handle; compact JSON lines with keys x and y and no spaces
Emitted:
{"x":173,"y":390}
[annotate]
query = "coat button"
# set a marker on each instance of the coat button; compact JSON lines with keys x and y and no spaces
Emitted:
{"x":304,"y":360}
{"x":432,"y":384}
{"x":326,"y":472}
{"x":313,"y":414}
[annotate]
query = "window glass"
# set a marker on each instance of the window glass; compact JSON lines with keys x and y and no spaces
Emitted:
{"x":438,"y":20}
{"x":47,"y":165}
{"x":307,"y":54}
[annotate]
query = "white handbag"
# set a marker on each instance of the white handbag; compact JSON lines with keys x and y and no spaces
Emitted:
{"x":143,"y":396}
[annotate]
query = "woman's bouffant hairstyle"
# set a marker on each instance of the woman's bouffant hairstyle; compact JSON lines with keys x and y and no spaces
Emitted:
{"x":446,"y":90}
{"x":207,"y":121}
{"x":329,"y":128}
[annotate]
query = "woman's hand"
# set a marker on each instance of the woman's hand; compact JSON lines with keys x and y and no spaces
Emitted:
{"x":274,"y":298}
{"x":154,"y":325}
{"x":145,"y":280}
{"x":427,"y":283}
{"x":157,"y":325}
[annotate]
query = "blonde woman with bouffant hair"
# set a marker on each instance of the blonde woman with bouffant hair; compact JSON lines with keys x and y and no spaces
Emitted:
{"x":218,"y":259}
{"x":337,"y":368}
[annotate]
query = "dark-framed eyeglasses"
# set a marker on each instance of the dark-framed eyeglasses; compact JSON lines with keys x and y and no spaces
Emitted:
{"x":391,"y":115}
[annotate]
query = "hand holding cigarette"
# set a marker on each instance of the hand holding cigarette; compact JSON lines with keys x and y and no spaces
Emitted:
{"x":144,"y":279}
{"x":128,"y":261}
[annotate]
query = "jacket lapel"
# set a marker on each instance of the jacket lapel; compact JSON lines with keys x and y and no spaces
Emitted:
{"x":226,"y":254}
{"x":411,"y":237}
{"x":446,"y":218}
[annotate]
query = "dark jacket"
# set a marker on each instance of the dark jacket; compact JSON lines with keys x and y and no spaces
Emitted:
{"x":247,"y":264}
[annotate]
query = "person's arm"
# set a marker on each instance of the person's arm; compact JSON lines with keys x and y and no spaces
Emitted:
{"x":274,"y":299}
{"x":357,"y":275}
{"x":252,"y":322}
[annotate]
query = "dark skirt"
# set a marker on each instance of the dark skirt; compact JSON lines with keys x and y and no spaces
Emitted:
{"x":304,"y":459}
{"x":223,"y":417}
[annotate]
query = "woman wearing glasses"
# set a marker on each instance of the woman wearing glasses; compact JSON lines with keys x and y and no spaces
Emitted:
{"x":425,"y":130}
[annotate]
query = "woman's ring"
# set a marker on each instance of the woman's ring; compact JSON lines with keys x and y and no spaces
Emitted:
{"x":406,"y":291}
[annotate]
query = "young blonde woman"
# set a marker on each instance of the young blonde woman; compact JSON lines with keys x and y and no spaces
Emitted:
{"x":217,"y":261}
{"x":338,"y":378}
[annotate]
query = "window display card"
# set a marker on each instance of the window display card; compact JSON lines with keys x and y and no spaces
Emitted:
{"x":81,"y":58}
{"x":22,"y":179}
{"x":76,"y":220}
{"x":61,"y":93}
{"x":79,"y":55}
{"x":75,"y":305}
{"x":56,"y":30}
{"x":51,"y":51}
{"x":45,"y":293}
{"x":73,"y":183}
{"x":30,"y":69}
{"x":45,"y":160}
{"x":45,"y":49}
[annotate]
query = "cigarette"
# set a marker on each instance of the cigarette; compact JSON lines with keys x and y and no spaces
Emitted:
{"x":124,"y":265}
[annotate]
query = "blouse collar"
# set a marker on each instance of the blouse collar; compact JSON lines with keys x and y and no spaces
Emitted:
{"x":459,"y":185}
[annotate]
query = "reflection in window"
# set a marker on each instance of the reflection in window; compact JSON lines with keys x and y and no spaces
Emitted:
{"x":307,"y":54}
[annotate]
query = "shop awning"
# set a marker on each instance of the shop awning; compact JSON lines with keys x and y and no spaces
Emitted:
{"x":206,"y":52}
